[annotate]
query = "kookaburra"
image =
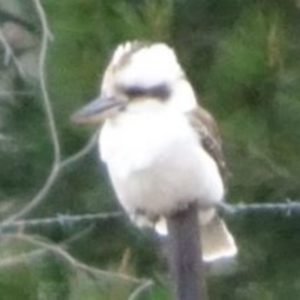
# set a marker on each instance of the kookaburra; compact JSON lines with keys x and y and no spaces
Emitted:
{"x":162,"y":150}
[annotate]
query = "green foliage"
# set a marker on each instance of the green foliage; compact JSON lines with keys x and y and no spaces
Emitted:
{"x":243,"y":60}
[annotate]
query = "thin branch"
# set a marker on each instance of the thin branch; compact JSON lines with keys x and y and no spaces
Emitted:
{"x":79,"y":235}
{"x":142,"y":284}
{"x":43,"y":192}
{"x":84,"y":151}
{"x":74,"y":262}
{"x":9,"y":54}
{"x":140,"y":289}
{"x":46,"y":35}
{"x":37,"y":199}
{"x":17,"y":259}
{"x":57,"y":164}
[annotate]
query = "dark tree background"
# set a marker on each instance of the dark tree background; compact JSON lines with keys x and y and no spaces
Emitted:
{"x":243,"y":59}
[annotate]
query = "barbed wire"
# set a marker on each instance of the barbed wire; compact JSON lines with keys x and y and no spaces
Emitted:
{"x":62,"y":220}
{"x":288,"y":209}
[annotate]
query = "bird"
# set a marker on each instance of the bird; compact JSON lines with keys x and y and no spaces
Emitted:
{"x":162,"y":149}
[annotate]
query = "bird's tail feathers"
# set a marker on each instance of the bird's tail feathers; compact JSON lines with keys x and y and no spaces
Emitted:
{"x":216,"y":240}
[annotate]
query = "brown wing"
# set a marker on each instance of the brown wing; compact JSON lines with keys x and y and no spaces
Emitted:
{"x":209,"y":136}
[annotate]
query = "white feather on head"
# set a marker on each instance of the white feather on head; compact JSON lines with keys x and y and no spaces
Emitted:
{"x":137,"y":64}
{"x":147,"y":66}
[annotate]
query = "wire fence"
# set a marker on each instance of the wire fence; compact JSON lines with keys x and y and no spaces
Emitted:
{"x":288,"y":209}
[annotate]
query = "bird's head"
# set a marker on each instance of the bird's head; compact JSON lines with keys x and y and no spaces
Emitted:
{"x":139,"y":72}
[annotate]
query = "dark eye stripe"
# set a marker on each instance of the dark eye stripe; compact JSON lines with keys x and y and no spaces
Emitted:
{"x":158,"y":91}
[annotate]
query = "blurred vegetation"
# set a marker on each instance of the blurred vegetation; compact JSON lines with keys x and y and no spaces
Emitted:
{"x":243,"y":59}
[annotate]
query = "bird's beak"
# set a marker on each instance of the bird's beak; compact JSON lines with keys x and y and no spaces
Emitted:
{"x":98,"y":110}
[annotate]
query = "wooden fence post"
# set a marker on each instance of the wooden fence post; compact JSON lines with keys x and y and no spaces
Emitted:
{"x":185,"y":259}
